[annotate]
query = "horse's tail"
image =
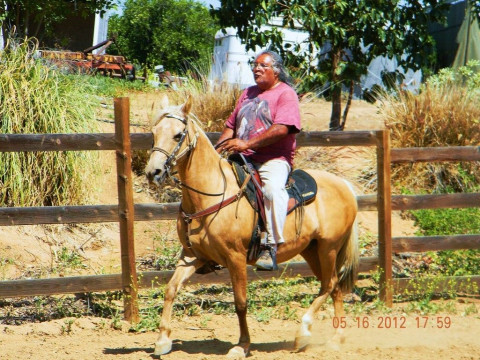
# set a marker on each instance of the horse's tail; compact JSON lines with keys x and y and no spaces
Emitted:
{"x":348,"y":257}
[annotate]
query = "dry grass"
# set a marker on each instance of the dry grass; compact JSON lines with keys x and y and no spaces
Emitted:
{"x":440,"y":115}
{"x":212,"y":102}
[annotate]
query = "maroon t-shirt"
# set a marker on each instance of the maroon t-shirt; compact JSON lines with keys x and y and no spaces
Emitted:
{"x":257,"y":110}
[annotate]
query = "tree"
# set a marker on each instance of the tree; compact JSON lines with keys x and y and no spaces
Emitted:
{"x":344,"y":36}
{"x":168,"y":32}
{"x":29,"y":18}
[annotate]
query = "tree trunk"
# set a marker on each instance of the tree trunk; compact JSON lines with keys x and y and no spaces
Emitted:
{"x":336,"y":92}
{"x":347,"y":106}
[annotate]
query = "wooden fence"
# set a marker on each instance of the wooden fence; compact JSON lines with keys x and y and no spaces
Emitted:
{"x":126,"y":212}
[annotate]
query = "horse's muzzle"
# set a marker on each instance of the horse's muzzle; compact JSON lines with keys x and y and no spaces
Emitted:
{"x":156,"y":177}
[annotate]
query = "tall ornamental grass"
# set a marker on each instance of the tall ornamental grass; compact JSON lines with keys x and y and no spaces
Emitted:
{"x":446,"y":112}
{"x":36,"y":98}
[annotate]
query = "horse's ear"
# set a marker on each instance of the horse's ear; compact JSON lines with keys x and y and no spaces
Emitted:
{"x":164,"y":101}
{"x":187,"y":106}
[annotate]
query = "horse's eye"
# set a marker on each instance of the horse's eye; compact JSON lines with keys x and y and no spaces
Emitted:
{"x":177,"y":137}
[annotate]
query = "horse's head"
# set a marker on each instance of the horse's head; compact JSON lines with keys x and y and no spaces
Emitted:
{"x":171,"y":140}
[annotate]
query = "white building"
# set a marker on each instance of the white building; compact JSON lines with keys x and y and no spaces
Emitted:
{"x":231,"y":61}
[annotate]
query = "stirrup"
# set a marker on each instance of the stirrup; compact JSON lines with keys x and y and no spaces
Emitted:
{"x":267,"y":262}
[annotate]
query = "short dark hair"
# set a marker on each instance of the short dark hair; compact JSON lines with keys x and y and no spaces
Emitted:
{"x":278,"y":66}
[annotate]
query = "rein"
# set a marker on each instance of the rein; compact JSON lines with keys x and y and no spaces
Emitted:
{"x":210,"y":210}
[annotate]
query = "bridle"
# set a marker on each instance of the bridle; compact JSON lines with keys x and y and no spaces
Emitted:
{"x":174,"y":157}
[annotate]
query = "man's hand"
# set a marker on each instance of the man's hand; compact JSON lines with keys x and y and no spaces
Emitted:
{"x":233,"y":145}
{"x":226,"y":142}
{"x":225,"y":136}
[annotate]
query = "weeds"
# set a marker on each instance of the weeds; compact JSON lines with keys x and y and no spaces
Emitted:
{"x":166,"y":250}
{"x":213,"y":102}
{"x":67,"y":259}
{"x":67,"y":327}
{"x":470,"y":309}
{"x":280,"y":299}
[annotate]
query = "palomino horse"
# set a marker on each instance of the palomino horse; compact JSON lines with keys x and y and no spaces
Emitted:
{"x":215,"y":225}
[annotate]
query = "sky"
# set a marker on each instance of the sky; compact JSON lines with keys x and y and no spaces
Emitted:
{"x":214,"y":3}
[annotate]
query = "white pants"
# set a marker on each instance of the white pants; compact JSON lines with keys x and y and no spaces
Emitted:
{"x":274,"y":175}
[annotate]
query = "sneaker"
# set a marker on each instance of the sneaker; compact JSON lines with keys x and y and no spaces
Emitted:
{"x":267,"y":259}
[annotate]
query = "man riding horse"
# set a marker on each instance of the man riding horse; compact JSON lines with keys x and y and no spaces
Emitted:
{"x":262,"y":127}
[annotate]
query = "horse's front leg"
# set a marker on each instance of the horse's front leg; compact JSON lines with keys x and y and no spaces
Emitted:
{"x":186,"y":267}
{"x":238,"y":274}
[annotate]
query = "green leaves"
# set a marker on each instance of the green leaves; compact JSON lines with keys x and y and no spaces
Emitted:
{"x":359,"y":29}
{"x":384,"y":27}
{"x":168,"y":32}
{"x":28,"y":17}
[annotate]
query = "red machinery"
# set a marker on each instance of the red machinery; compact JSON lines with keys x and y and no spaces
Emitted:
{"x":109,"y":65}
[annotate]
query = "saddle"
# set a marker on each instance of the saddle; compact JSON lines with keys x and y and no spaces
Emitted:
{"x":300,"y":186}
{"x":301,"y":189}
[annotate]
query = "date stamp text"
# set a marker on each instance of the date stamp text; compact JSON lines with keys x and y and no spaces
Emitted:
{"x":392,"y":322}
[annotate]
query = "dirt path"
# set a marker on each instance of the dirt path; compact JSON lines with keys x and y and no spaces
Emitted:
{"x":195,"y":339}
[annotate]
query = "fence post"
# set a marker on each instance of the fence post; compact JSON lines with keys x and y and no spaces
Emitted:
{"x":384,"y":205}
{"x":125,"y":207}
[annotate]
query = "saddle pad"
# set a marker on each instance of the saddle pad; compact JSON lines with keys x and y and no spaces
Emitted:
{"x":301,"y":187}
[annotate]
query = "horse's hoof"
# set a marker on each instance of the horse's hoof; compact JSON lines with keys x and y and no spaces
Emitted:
{"x":301,"y":343}
{"x":162,"y":347}
{"x":333,"y":346}
{"x":336,"y":342}
{"x":237,"y":352}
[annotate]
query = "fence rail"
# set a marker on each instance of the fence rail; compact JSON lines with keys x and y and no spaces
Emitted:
{"x":123,"y":143}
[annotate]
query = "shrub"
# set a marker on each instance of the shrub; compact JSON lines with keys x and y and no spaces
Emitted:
{"x":451,"y":222}
{"x":213,"y":101}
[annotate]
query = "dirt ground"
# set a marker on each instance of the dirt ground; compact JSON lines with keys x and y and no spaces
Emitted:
{"x":31,"y":249}
{"x":408,"y":338}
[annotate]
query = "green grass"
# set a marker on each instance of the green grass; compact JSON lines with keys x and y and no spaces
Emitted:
{"x":111,"y":87}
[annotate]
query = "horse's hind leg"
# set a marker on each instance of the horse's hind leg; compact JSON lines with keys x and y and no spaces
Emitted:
{"x":337,"y":298}
{"x":324,"y":270}
{"x":185,"y":268}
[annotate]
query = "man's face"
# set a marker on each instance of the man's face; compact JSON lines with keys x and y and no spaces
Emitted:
{"x":263,"y":72}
